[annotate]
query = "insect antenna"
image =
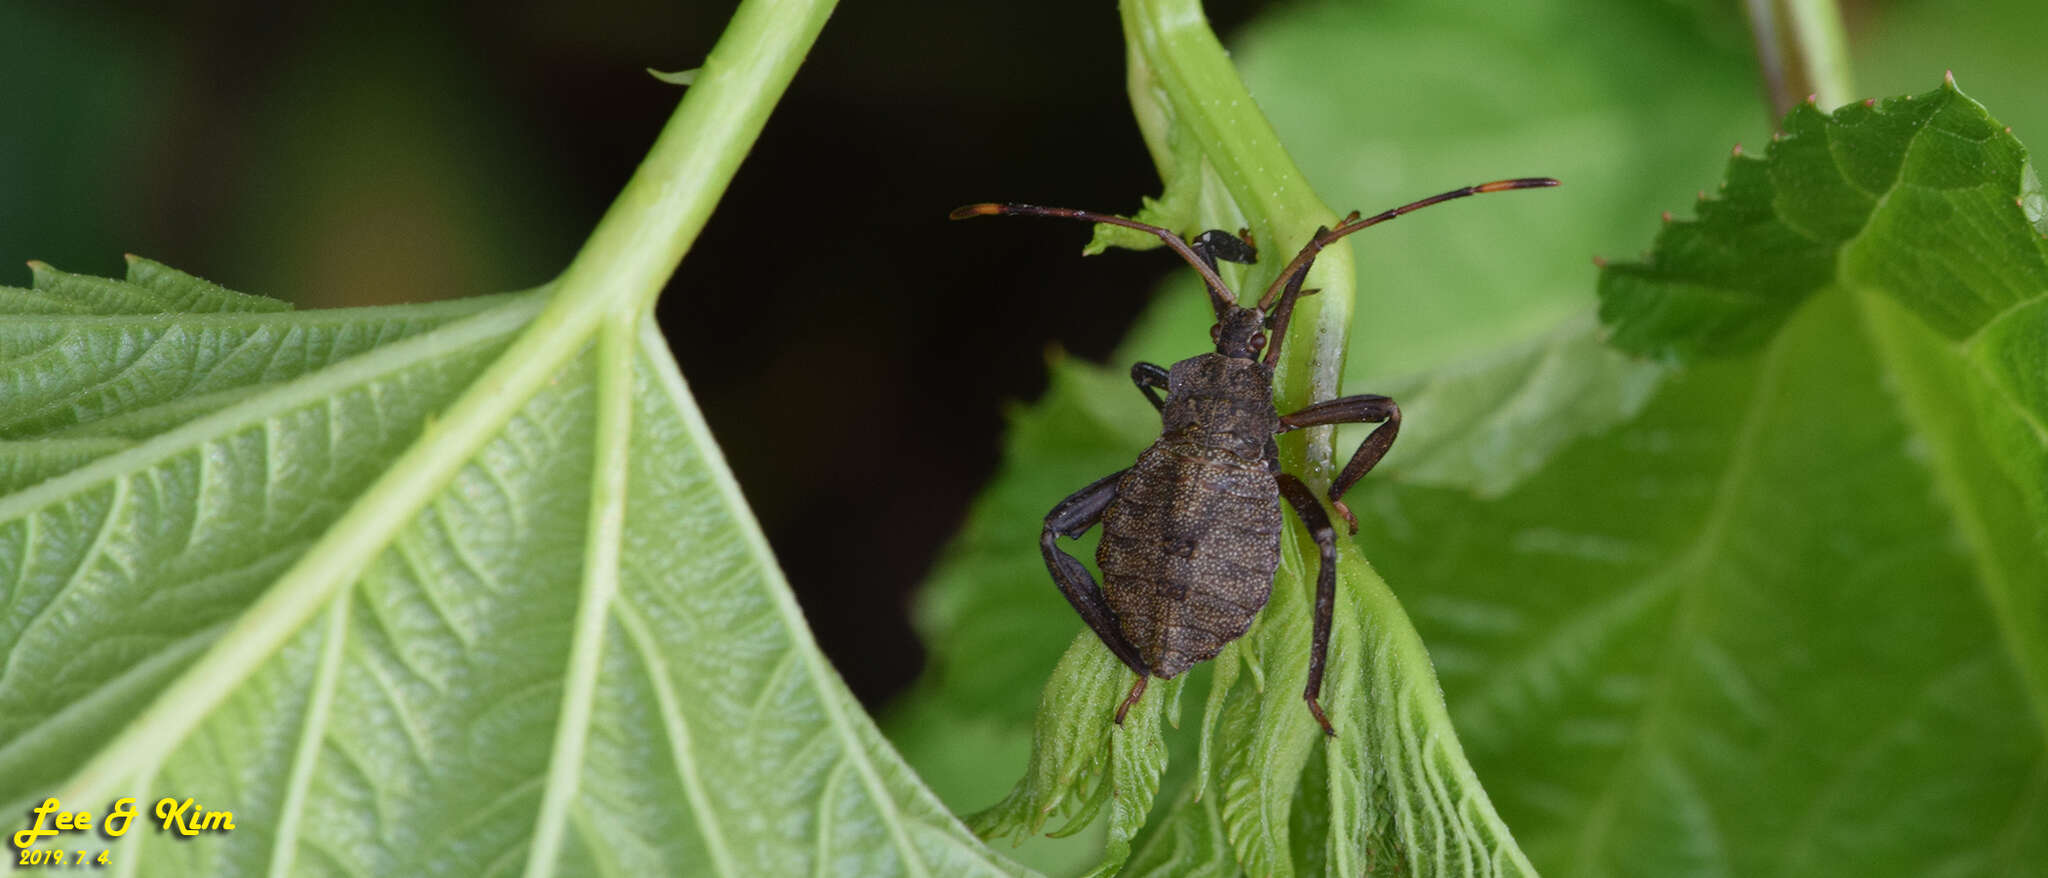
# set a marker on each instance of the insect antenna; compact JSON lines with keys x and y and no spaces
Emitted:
{"x":1354,"y":223}
{"x":1220,"y":296}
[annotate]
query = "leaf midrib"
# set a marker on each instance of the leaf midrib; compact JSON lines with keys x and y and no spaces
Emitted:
{"x":610,"y":455}
{"x":1992,"y":579}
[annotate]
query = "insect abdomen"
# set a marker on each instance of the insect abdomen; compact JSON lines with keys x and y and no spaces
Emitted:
{"x":1189,"y":548}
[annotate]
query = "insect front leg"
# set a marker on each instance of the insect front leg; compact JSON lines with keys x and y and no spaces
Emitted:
{"x":1304,"y":502}
{"x":1362,"y":409}
{"x":1150,"y":378}
{"x":1072,"y":518}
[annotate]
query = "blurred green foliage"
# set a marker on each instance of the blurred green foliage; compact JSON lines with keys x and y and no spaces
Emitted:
{"x":380,"y":161}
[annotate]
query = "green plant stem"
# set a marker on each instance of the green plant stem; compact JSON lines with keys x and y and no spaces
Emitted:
{"x":1802,"y":51}
{"x":618,"y":273}
{"x":1824,"y":47}
{"x":1181,"y":75}
{"x":641,"y":239}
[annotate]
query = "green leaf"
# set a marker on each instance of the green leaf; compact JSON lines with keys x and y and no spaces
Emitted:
{"x":1787,"y":620}
{"x":1096,"y":764}
{"x":1878,"y":196}
{"x":1917,"y":209}
{"x":1735,"y":636}
{"x":456,"y":640}
{"x":1190,"y":843}
{"x":1489,"y":422}
{"x":461,"y":588}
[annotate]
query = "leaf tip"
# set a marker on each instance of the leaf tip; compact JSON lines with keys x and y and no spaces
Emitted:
{"x":1599,"y":262}
{"x":1948,"y":78}
{"x":1737,"y":151}
{"x":1665,"y":216}
{"x":1870,"y":102}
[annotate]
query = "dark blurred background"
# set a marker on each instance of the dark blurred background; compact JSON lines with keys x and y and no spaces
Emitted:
{"x":853,"y":351}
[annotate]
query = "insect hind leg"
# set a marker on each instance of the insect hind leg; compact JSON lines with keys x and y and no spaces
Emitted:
{"x":1072,"y":518}
{"x":1304,"y":502}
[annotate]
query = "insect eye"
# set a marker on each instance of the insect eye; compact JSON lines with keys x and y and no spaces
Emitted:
{"x":1216,"y":334}
{"x":1258,"y":340}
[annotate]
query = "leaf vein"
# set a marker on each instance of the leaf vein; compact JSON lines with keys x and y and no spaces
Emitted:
{"x":677,"y":726}
{"x":101,"y":536}
{"x":306,"y":757}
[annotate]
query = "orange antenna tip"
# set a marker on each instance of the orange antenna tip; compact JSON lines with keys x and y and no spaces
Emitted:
{"x":974,"y":210}
{"x":1518,"y":183}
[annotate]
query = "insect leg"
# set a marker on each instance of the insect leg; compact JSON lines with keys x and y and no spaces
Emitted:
{"x":1150,"y":378}
{"x":1137,"y":691}
{"x":1072,"y":518}
{"x":1362,"y":409}
{"x":1304,"y":502}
